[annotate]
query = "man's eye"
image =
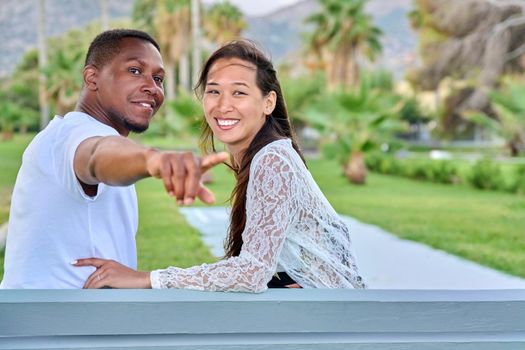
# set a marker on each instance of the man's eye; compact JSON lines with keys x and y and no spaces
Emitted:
{"x":134,"y":70}
{"x":158,"y":79}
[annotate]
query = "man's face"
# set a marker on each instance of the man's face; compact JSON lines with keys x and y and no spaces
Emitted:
{"x":130,"y":89}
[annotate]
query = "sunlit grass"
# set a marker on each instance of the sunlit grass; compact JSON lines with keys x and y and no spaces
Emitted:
{"x":164,"y":236}
{"x":10,"y":160}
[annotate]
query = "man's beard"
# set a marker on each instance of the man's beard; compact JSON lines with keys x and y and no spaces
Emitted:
{"x":134,"y":127}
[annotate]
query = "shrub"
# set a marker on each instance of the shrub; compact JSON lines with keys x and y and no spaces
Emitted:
{"x":486,"y":175}
{"x":518,"y":183}
{"x":445,"y":172}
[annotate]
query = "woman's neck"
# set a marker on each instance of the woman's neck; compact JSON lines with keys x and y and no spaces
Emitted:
{"x":237,"y":154}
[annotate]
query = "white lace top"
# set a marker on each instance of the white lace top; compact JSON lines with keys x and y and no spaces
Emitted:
{"x":290,"y":226}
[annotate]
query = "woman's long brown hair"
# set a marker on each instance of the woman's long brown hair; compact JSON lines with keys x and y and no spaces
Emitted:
{"x":277,"y":126}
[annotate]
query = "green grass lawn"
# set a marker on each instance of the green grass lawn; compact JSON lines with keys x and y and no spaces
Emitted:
{"x":164,"y":236}
{"x":10,"y":160}
{"x":487,"y":227}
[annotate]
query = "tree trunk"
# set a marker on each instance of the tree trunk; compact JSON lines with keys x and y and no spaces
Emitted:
{"x":184,"y":73}
{"x":356,"y":169}
{"x":353,"y":69}
{"x":196,"y":40}
{"x":42,"y":63}
{"x":7,"y":135}
{"x":170,"y":81}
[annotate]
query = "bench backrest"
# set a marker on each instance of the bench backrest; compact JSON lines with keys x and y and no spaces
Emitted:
{"x":277,"y":319}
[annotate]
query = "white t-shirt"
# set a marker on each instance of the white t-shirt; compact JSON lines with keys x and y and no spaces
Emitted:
{"x":53,"y":222}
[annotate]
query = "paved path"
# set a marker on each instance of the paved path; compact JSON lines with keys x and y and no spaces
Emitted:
{"x":385,"y":261}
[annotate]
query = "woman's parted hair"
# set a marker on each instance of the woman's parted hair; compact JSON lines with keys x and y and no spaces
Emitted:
{"x":277,"y":126}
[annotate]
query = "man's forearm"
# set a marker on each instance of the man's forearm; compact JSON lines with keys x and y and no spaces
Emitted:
{"x":113,"y":160}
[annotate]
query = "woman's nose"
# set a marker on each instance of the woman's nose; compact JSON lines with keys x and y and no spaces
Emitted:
{"x":225,"y":104}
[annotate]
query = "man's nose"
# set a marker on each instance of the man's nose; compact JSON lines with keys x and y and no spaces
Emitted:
{"x":150,"y":85}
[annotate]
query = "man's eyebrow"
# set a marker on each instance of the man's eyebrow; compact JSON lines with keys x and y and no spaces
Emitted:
{"x":142,"y":63}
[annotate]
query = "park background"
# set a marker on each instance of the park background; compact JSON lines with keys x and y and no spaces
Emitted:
{"x":411,"y":113}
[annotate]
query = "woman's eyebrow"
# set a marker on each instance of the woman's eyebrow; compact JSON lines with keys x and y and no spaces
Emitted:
{"x":233,"y":83}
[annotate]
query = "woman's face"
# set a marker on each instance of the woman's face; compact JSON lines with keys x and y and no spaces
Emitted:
{"x":234,"y":106}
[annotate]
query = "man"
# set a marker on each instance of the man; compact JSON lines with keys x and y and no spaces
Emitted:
{"x":74,"y":195}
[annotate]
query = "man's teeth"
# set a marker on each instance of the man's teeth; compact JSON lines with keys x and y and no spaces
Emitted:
{"x":229,"y":122}
{"x":145,"y":104}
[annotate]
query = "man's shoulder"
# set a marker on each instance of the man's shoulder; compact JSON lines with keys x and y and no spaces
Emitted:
{"x":78,"y":124}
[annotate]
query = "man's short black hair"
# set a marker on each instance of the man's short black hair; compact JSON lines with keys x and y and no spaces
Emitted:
{"x":107,"y":44}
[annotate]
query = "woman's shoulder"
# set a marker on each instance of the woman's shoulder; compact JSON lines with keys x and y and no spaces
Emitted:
{"x":279,"y":149}
{"x":278,"y":153}
{"x":277,"y":146}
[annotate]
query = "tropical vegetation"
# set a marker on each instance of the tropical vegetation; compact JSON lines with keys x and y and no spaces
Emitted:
{"x":342,"y":31}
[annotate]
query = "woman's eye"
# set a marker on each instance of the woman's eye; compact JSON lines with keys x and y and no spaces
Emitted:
{"x":134,"y":70}
{"x":212,"y":92}
{"x":238,"y":93}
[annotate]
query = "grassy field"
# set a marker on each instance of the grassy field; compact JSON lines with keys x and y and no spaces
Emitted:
{"x":10,"y":160}
{"x":164,"y":236}
{"x":487,"y":227}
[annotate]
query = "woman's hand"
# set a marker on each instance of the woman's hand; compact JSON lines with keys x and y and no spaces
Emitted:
{"x":110,"y":273}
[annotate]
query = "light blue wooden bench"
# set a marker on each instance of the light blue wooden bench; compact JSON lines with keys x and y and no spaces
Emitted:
{"x":277,"y":319}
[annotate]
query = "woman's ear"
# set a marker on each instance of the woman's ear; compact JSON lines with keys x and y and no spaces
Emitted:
{"x":270,"y":101}
{"x":90,"y":76}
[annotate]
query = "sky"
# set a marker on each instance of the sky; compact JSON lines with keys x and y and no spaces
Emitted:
{"x":256,"y":7}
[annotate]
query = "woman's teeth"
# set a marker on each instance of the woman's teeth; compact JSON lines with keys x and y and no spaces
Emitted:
{"x":227,"y":122}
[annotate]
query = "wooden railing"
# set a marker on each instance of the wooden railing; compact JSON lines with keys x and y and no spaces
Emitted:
{"x":276,"y":319}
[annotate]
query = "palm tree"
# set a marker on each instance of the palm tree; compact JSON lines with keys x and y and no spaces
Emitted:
{"x":64,"y":70}
{"x":63,"y":78}
{"x":172,"y":24}
{"x":224,"y":22}
{"x":353,"y":123}
{"x":342,"y":30}
{"x":509,"y":106}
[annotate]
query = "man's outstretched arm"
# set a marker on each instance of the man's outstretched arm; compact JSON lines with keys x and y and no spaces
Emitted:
{"x":118,"y":161}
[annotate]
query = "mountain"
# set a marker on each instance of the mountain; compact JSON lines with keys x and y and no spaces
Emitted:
{"x":19,"y":22}
{"x":279,"y":32}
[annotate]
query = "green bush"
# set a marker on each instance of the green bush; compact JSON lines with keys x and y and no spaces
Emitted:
{"x":418,"y":170}
{"x":373,"y":161}
{"x":486,"y":175}
{"x":518,"y":183}
{"x":445,"y":172}
{"x":383,"y":163}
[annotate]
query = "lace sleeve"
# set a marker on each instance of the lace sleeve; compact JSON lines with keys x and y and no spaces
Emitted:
{"x":270,"y":210}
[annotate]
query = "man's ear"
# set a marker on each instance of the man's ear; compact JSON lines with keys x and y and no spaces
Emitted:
{"x":271,"y":99}
{"x":90,"y":75}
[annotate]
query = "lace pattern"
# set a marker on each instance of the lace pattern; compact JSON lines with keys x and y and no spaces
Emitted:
{"x":290,"y":226}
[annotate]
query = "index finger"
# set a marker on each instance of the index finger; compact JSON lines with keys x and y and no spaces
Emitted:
{"x":96,"y":262}
{"x":212,"y":160}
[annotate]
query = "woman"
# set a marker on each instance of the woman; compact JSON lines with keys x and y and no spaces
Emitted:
{"x":283,"y":232}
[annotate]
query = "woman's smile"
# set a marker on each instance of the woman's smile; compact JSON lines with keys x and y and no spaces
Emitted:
{"x":226,"y":123}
